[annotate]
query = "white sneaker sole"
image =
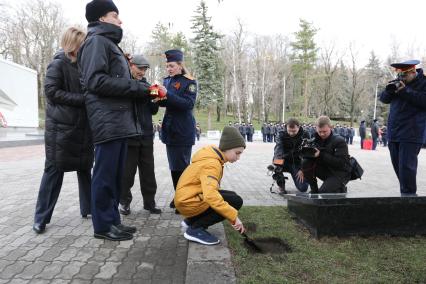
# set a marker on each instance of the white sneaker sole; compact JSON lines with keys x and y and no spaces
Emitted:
{"x":190,"y":238}
{"x":184,"y":225}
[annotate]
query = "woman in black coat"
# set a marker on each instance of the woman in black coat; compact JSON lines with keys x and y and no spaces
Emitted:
{"x":68,"y":142}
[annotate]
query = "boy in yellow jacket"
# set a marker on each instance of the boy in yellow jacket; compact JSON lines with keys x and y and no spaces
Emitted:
{"x":198,"y":196}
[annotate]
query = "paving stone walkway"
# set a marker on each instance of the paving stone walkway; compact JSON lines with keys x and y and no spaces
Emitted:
{"x":67,"y":252}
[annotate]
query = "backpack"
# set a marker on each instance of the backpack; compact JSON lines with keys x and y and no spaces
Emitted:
{"x":356,"y":171}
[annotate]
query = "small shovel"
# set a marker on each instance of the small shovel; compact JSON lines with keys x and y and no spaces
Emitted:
{"x":251,"y":243}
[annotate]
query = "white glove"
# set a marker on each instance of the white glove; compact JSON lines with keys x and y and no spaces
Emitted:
{"x":238,"y":225}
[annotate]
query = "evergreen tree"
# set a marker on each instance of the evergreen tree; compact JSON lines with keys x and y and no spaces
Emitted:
{"x":375,"y":75}
{"x":304,"y":56}
{"x":206,"y":61}
{"x":164,"y":39}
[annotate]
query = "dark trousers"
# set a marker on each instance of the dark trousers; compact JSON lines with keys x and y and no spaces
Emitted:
{"x":331,"y":183}
{"x":211,"y":217}
{"x":139,"y":156}
{"x":265,"y":136}
{"x":293,"y":170}
{"x":404,"y":162}
{"x":362,"y":143}
{"x":385,"y":141}
{"x":374,"y":143}
{"x":110,"y":158}
{"x":250,"y":137}
{"x":50,"y":188}
{"x":351,"y":139}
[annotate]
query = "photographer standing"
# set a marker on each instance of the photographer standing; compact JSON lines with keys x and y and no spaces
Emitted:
{"x":330,"y":161}
{"x":287,"y":154}
{"x":406,"y":129}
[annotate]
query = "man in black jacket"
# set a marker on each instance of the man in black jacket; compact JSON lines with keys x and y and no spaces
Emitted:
{"x":109,"y":91}
{"x":374,"y":133}
{"x":287,"y":153}
{"x":330,"y":161}
{"x":140,"y":151}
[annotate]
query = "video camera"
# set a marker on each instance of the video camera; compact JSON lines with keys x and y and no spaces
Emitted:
{"x":278,"y":177}
{"x":394,"y":85}
{"x":308,"y":148}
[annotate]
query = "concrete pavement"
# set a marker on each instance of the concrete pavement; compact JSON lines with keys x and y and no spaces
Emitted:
{"x":68,"y":253}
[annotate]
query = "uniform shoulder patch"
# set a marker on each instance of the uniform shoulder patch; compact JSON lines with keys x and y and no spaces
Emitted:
{"x":192,"y":88}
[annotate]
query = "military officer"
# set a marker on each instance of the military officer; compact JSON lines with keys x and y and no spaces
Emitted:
{"x":178,"y":132}
{"x":406,"y":129}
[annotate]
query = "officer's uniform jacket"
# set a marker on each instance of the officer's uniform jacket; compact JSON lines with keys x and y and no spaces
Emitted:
{"x":178,"y":122}
{"x":407,"y":115}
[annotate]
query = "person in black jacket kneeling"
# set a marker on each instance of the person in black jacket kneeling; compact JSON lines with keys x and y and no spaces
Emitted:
{"x":287,"y":154}
{"x":329,"y":161}
{"x":67,"y":134}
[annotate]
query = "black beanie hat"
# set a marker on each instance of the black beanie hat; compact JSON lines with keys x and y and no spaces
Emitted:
{"x":231,"y":138}
{"x":99,"y":8}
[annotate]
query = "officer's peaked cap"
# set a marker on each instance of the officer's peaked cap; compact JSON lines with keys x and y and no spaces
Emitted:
{"x":174,"y":55}
{"x":406,"y":65}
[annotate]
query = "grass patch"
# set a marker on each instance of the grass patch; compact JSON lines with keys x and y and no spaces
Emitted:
{"x":379,"y":259}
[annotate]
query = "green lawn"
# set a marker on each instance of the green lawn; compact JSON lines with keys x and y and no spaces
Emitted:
{"x":378,"y":259}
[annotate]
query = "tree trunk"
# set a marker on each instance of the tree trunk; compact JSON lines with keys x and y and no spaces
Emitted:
{"x":264,"y":115}
{"x":209,"y":117}
{"x":305,"y":94}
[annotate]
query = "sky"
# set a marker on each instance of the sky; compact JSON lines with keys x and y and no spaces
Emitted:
{"x":368,"y":24}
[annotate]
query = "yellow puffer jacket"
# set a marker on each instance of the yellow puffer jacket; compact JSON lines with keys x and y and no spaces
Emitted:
{"x":198,"y":186}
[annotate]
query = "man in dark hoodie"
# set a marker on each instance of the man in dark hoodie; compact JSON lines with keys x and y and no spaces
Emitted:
{"x":109,"y":92}
{"x":287,"y":154}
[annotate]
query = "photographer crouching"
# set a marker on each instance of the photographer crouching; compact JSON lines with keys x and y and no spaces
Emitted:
{"x":287,"y":155}
{"x":327,"y":158}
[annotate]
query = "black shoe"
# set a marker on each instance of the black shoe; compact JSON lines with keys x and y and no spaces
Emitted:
{"x":39,"y":228}
{"x":114,"y":234}
{"x":172,"y":204}
{"x":126,"y":229}
{"x":124,"y":209}
{"x":153,"y":210}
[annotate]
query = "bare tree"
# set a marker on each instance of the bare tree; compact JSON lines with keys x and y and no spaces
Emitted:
{"x":238,"y":61}
{"x":328,"y":68}
{"x":129,"y":44}
{"x":357,"y":84}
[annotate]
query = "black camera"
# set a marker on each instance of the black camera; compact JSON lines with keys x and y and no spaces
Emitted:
{"x":394,"y":85}
{"x":278,"y":177}
{"x":308,"y":148}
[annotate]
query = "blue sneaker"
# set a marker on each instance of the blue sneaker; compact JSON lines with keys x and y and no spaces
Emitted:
{"x":201,"y":236}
